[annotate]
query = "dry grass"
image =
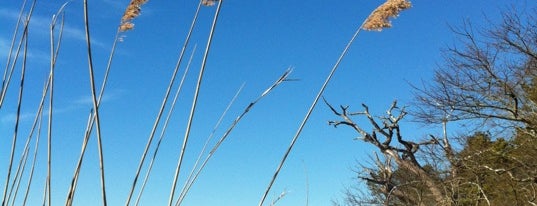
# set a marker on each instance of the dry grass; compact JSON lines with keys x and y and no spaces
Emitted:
{"x":380,"y":17}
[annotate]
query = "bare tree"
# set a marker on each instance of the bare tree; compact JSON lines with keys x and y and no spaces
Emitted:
{"x":490,"y":78}
{"x":484,"y":78}
{"x":387,"y":137}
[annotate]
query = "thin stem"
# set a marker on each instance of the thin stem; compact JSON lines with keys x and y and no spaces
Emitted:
{"x":89,"y":126}
{"x":54,"y":54}
{"x":10,"y":51}
{"x":164,"y":127}
{"x":190,"y":179}
{"x":231,"y":127}
{"x":94,"y":100}
{"x":40,"y":115}
{"x":310,"y":110}
{"x":17,"y":118}
{"x":5,"y":82}
{"x":163,"y":105}
{"x":194,"y":103}
{"x":19,"y":103}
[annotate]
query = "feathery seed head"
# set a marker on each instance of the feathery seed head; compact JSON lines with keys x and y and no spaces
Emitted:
{"x":208,"y":2}
{"x":133,"y":10}
{"x":125,"y":26}
{"x":379,"y":18}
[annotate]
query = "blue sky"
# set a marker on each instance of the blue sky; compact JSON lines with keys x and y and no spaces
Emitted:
{"x":254,"y":43}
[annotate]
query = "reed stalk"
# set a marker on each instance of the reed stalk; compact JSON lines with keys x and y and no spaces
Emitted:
{"x":17,"y":118}
{"x":194,"y":103}
{"x":91,"y":122}
{"x":189,"y":179}
{"x":8,"y":72}
{"x":377,"y":20}
{"x":231,"y":127}
{"x":165,"y":126}
{"x":34,"y":160}
{"x":163,"y":105}
{"x":24,"y":41}
{"x":10,"y":50}
{"x":94,"y":100}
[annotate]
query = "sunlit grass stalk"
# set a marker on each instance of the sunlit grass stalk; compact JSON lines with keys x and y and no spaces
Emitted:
{"x":24,"y":41}
{"x":74,"y":180}
{"x":377,"y":20}
{"x":189,"y":179}
{"x":8,"y":72}
{"x":90,"y":123}
{"x":34,"y":160}
{"x":163,"y":105}
{"x":306,"y":117}
{"x":165,"y":126}
{"x":94,"y":100}
{"x":10,"y":50}
{"x":5,"y":198}
{"x":53,"y":56}
{"x":38,"y":118}
{"x":194,"y":103}
{"x":231,"y":127}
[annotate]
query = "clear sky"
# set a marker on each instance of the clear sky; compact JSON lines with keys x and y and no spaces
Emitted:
{"x":254,"y":43}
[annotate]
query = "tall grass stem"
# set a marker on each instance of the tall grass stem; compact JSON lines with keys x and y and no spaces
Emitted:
{"x":94,"y":100}
{"x":165,"y":126}
{"x":231,"y":127}
{"x":194,"y":103}
{"x":310,"y":110}
{"x":164,"y":101}
{"x":191,"y":175}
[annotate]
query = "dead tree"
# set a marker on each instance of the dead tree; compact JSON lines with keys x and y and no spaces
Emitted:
{"x":387,"y":137}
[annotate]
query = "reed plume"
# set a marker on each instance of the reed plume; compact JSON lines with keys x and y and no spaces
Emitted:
{"x":380,"y":17}
{"x":208,"y":2}
{"x":133,"y":10}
